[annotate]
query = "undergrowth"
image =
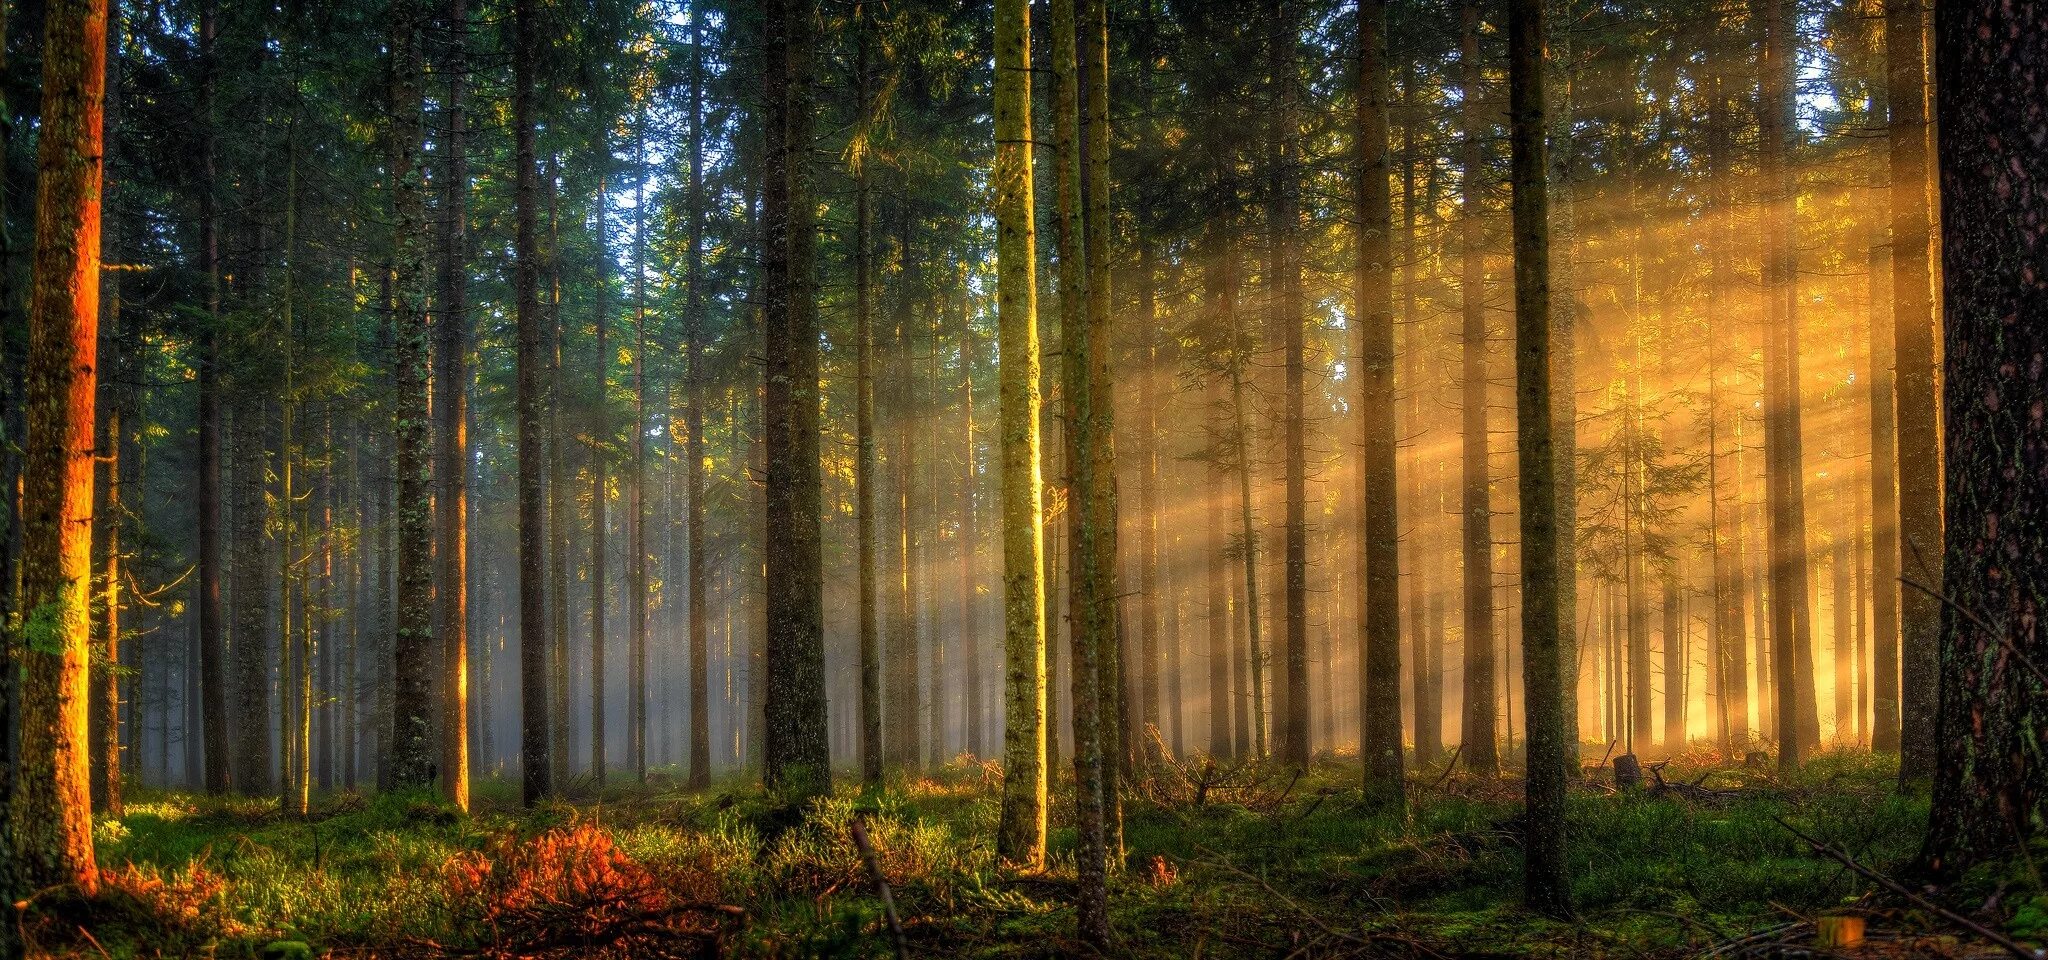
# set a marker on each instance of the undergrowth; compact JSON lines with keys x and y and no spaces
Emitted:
{"x":1244,"y":861}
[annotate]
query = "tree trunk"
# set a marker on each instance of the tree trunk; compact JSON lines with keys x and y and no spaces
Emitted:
{"x":1992,"y":113}
{"x":117,"y":393}
{"x":1284,"y":214}
{"x":865,"y":500}
{"x":412,"y":754}
{"x":1918,"y":408}
{"x":1379,"y":529}
{"x":636,"y":510}
{"x":536,"y":740}
{"x":1481,"y":754}
{"x":693,"y":448}
{"x":451,"y":408}
{"x":1085,"y":602}
{"x":1790,"y":630}
{"x":50,"y":812}
{"x":1020,"y":836}
{"x":599,"y":449}
{"x":1546,"y":881}
{"x":213,"y":649}
{"x":796,"y":752}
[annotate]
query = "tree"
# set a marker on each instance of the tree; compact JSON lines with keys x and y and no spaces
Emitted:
{"x":864,"y":415}
{"x":1379,"y":533}
{"x":1991,"y":112}
{"x":412,"y":755}
{"x":636,"y":506}
{"x":1020,"y":835}
{"x":1545,"y":881}
{"x":693,"y":447}
{"x":795,"y":751}
{"x":1916,"y":553}
{"x":451,"y":407}
{"x":213,"y":651}
{"x":51,"y":810}
{"x":536,"y":741}
{"x":1284,"y":210}
{"x":1790,"y":632}
{"x":1481,"y":753}
{"x":1087,"y":602}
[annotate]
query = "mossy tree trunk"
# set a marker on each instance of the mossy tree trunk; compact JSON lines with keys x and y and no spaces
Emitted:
{"x":1992,"y":111}
{"x":51,"y":810}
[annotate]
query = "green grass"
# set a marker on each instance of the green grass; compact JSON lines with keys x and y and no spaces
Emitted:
{"x":1262,"y":866}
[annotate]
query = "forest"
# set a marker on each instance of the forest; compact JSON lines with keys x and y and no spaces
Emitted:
{"x":1130,"y":478}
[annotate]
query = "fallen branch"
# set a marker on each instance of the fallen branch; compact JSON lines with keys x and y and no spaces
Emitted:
{"x":1828,"y":850}
{"x":867,"y":855}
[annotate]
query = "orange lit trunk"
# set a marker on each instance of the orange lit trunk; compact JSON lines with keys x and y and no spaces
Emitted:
{"x":52,"y":817}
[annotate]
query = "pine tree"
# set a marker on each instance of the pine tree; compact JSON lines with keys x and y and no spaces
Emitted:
{"x":51,"y":810}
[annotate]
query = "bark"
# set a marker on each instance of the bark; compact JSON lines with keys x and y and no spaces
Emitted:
{"x":1085,"y":603}
{"x":1021,"y":832}
{"x":864,"y":414}
{"x":414,"y":656}
{"x":1546,"y":880}
{"x":213,"y":651}
{"x":559,"y":506}
{"x":795,"y":752}
{"x":599,"y":449}
{"x":636,"y":510}
{"x":1797,"y":728}
{"x":693,"y":447}
{"x":1992,"y":113}
{"x":1379,"y":529}
{"x":1285,"y":215}
{"x":536,"y":741}
{"x":451,"y":408}
{"x":116,"y":395}
{"x":50,"y":811}
{"x":1481,"y":753}
{"x":1918,"y":408}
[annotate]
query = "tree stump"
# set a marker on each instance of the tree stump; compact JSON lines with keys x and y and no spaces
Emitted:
{"x":1756,"y":760}
{"x":1628,"y":772}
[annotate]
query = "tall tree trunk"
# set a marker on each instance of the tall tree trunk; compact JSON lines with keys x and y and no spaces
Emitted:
{"x":636,"y":510}
{"x":1428,"y":732}
{"x":536,"y":740}
{"x":213,"y":649}
{"x":865,"y":500}
{"x":1222,"y":739}
{"x":1790,"y":630}
{"x":1546,"y":881}
{"x":1918,"y":408}
{"x":693,"y":447}
{"x":413,"y":757}
{"x":1379,"y":528}
{"x":1085,"y":603}
{"x":1282,"y":41}
{"x":1992,"y":111}
{"x":116,"y":395}
{"x":1148,"y":504}
{"x":50,"y":812}
{"x":1020,"y":835}
{"x":1481,"y":752}
{"x":970,"y":606}
{"x":560,"y":501}
{"x":599,"y":449}
{"x":451,"y":408}
{"x":795,"y":753}
{"x":1100,"y":497}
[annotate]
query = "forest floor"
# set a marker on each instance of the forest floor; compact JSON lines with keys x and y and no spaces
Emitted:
{"x":1246,"y":862}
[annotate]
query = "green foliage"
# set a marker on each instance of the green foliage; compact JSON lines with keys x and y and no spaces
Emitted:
{"x":1243,"y":873}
